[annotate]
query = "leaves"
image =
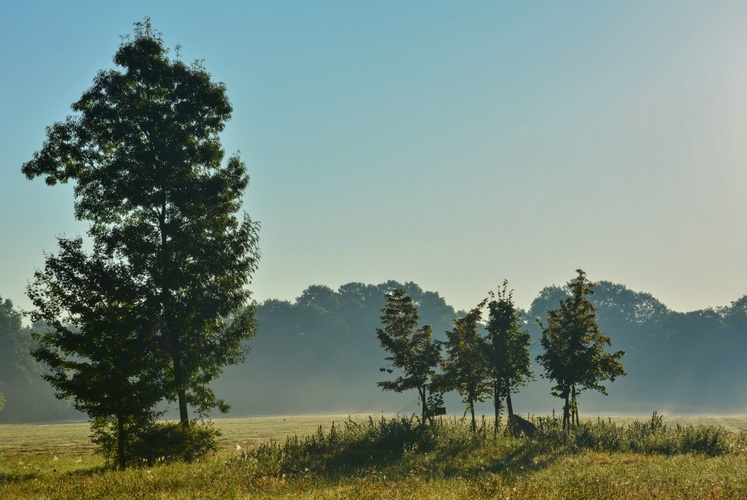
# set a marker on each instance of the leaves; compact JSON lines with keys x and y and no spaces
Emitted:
{"x":145,"y":156}
{"x":574,"y":346}
{"x":412,"y":348}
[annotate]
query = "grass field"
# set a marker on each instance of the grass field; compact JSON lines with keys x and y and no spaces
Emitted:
{"x":57,"y":461}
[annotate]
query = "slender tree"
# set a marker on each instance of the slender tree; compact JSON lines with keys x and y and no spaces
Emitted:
{"x":96,"y":342}
{"x":465,"y":367}
{"x":147,"y":163}
{"x":507,"y":349}
{"x":412,"y":350}
{"x":574,"y":354}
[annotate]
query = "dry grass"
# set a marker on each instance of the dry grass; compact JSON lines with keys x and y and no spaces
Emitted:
{"x":56,"y":461}
{"x":72,"y":438}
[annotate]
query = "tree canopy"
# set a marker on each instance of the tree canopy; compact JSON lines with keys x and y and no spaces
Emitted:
{"x":465,"y":366}
{"x":507,"y":350}
{"x":411,"y":349}
{"x":574,"y":354}
{"x":97,"y":341}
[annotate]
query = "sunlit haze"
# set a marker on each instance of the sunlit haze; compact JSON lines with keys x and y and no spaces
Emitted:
{"x":453,"y":144}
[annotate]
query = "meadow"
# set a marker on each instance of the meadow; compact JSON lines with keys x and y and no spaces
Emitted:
{"x":393,"y":457}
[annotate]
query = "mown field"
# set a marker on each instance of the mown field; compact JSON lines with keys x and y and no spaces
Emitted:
{"x":369,"y":458}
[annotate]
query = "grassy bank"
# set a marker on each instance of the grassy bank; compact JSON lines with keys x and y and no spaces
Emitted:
{"x":396,"y":458}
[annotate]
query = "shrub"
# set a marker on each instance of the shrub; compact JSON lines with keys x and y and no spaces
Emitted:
{"x":158,"y":442}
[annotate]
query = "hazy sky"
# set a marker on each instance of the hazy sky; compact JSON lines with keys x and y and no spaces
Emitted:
{"x":453,"y":144}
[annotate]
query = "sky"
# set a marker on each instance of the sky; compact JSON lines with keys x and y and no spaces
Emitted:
{"x":453,"y":144}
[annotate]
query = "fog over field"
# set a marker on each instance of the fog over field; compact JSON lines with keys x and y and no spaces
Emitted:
{"x":319,"y":355}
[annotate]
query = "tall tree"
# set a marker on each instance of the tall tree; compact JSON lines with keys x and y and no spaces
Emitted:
{"x":412,"y":350}
{"x":574,"y":354}
{"x":96,"y":340}
{"x":147,"y":163}
{"x":507,"y":350}
{"x":465,"y":367}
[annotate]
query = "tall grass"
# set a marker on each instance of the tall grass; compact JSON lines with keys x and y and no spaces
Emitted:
{"x":402,"y":458}
{"x":653,"y":436}
{"x":351,"y":445}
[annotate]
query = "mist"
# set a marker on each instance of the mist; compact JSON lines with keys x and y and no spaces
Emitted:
{"x":319,"y":354}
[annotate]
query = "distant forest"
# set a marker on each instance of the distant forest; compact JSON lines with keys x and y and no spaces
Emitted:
{"x":319,"y":354}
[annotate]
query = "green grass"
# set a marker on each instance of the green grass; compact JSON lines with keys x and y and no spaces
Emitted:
{"x":393,"y":458}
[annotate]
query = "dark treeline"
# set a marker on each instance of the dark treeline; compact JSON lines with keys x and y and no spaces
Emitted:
{"x":320,"y":354}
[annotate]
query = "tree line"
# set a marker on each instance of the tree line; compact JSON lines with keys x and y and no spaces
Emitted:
{"x":317,"y":353}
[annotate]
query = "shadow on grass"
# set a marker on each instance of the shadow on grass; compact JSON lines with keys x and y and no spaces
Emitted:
{"x":17,"y":478}
{"x":399,"y":448}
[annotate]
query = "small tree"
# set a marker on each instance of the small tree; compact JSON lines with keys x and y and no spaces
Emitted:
{"x":97,"y":342}
{"x":507,"y":349}
{"x":574,"y":354}
{"x":465,"y":367}
{"x":412,"y":350}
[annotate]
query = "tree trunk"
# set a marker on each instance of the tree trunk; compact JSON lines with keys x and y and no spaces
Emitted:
{"x":472,"y":411}
{"x":181,"y":391}
{"x":566,"y":410}
{"x":424,"y":404}
{"x":121,"y":442}
{"x":183,"y":414}
{"x":511,"y":420}
{"x":497,"y":407}
{"x":574,"y":406}
{"x":166,"y":304}
{"x":176,"y":359}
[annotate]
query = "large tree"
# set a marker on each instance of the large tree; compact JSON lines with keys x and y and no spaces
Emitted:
{"x":144,"y":153}
{"x":507,"y":349}
{"x":411,"y":348}
{"x":574,"y":354}
{"x":465,"y":367}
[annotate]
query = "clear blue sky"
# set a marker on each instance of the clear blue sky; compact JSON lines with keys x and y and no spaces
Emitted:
{"x":453,"y":144}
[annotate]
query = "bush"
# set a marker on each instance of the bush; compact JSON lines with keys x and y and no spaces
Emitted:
{"x":169,"y":441}
{"x":154,"y":442}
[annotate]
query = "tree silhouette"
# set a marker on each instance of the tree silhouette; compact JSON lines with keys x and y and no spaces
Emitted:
{"x":146,"y":160}
{"x":97,"y":341}
{"x":574,"y":354}
{"x":465,"y":367}
{"x":412,"y":350}
{"x":507,"y":349}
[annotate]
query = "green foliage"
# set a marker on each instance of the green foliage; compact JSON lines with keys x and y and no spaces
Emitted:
{"x":157,"y":442}
{"x":465,"y":367}
{"x":412,"y":350}
{"x":145,"y":156}
{"x":507,"y":349}
{"x":97,"y":342}
{"x":574,"y":354}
